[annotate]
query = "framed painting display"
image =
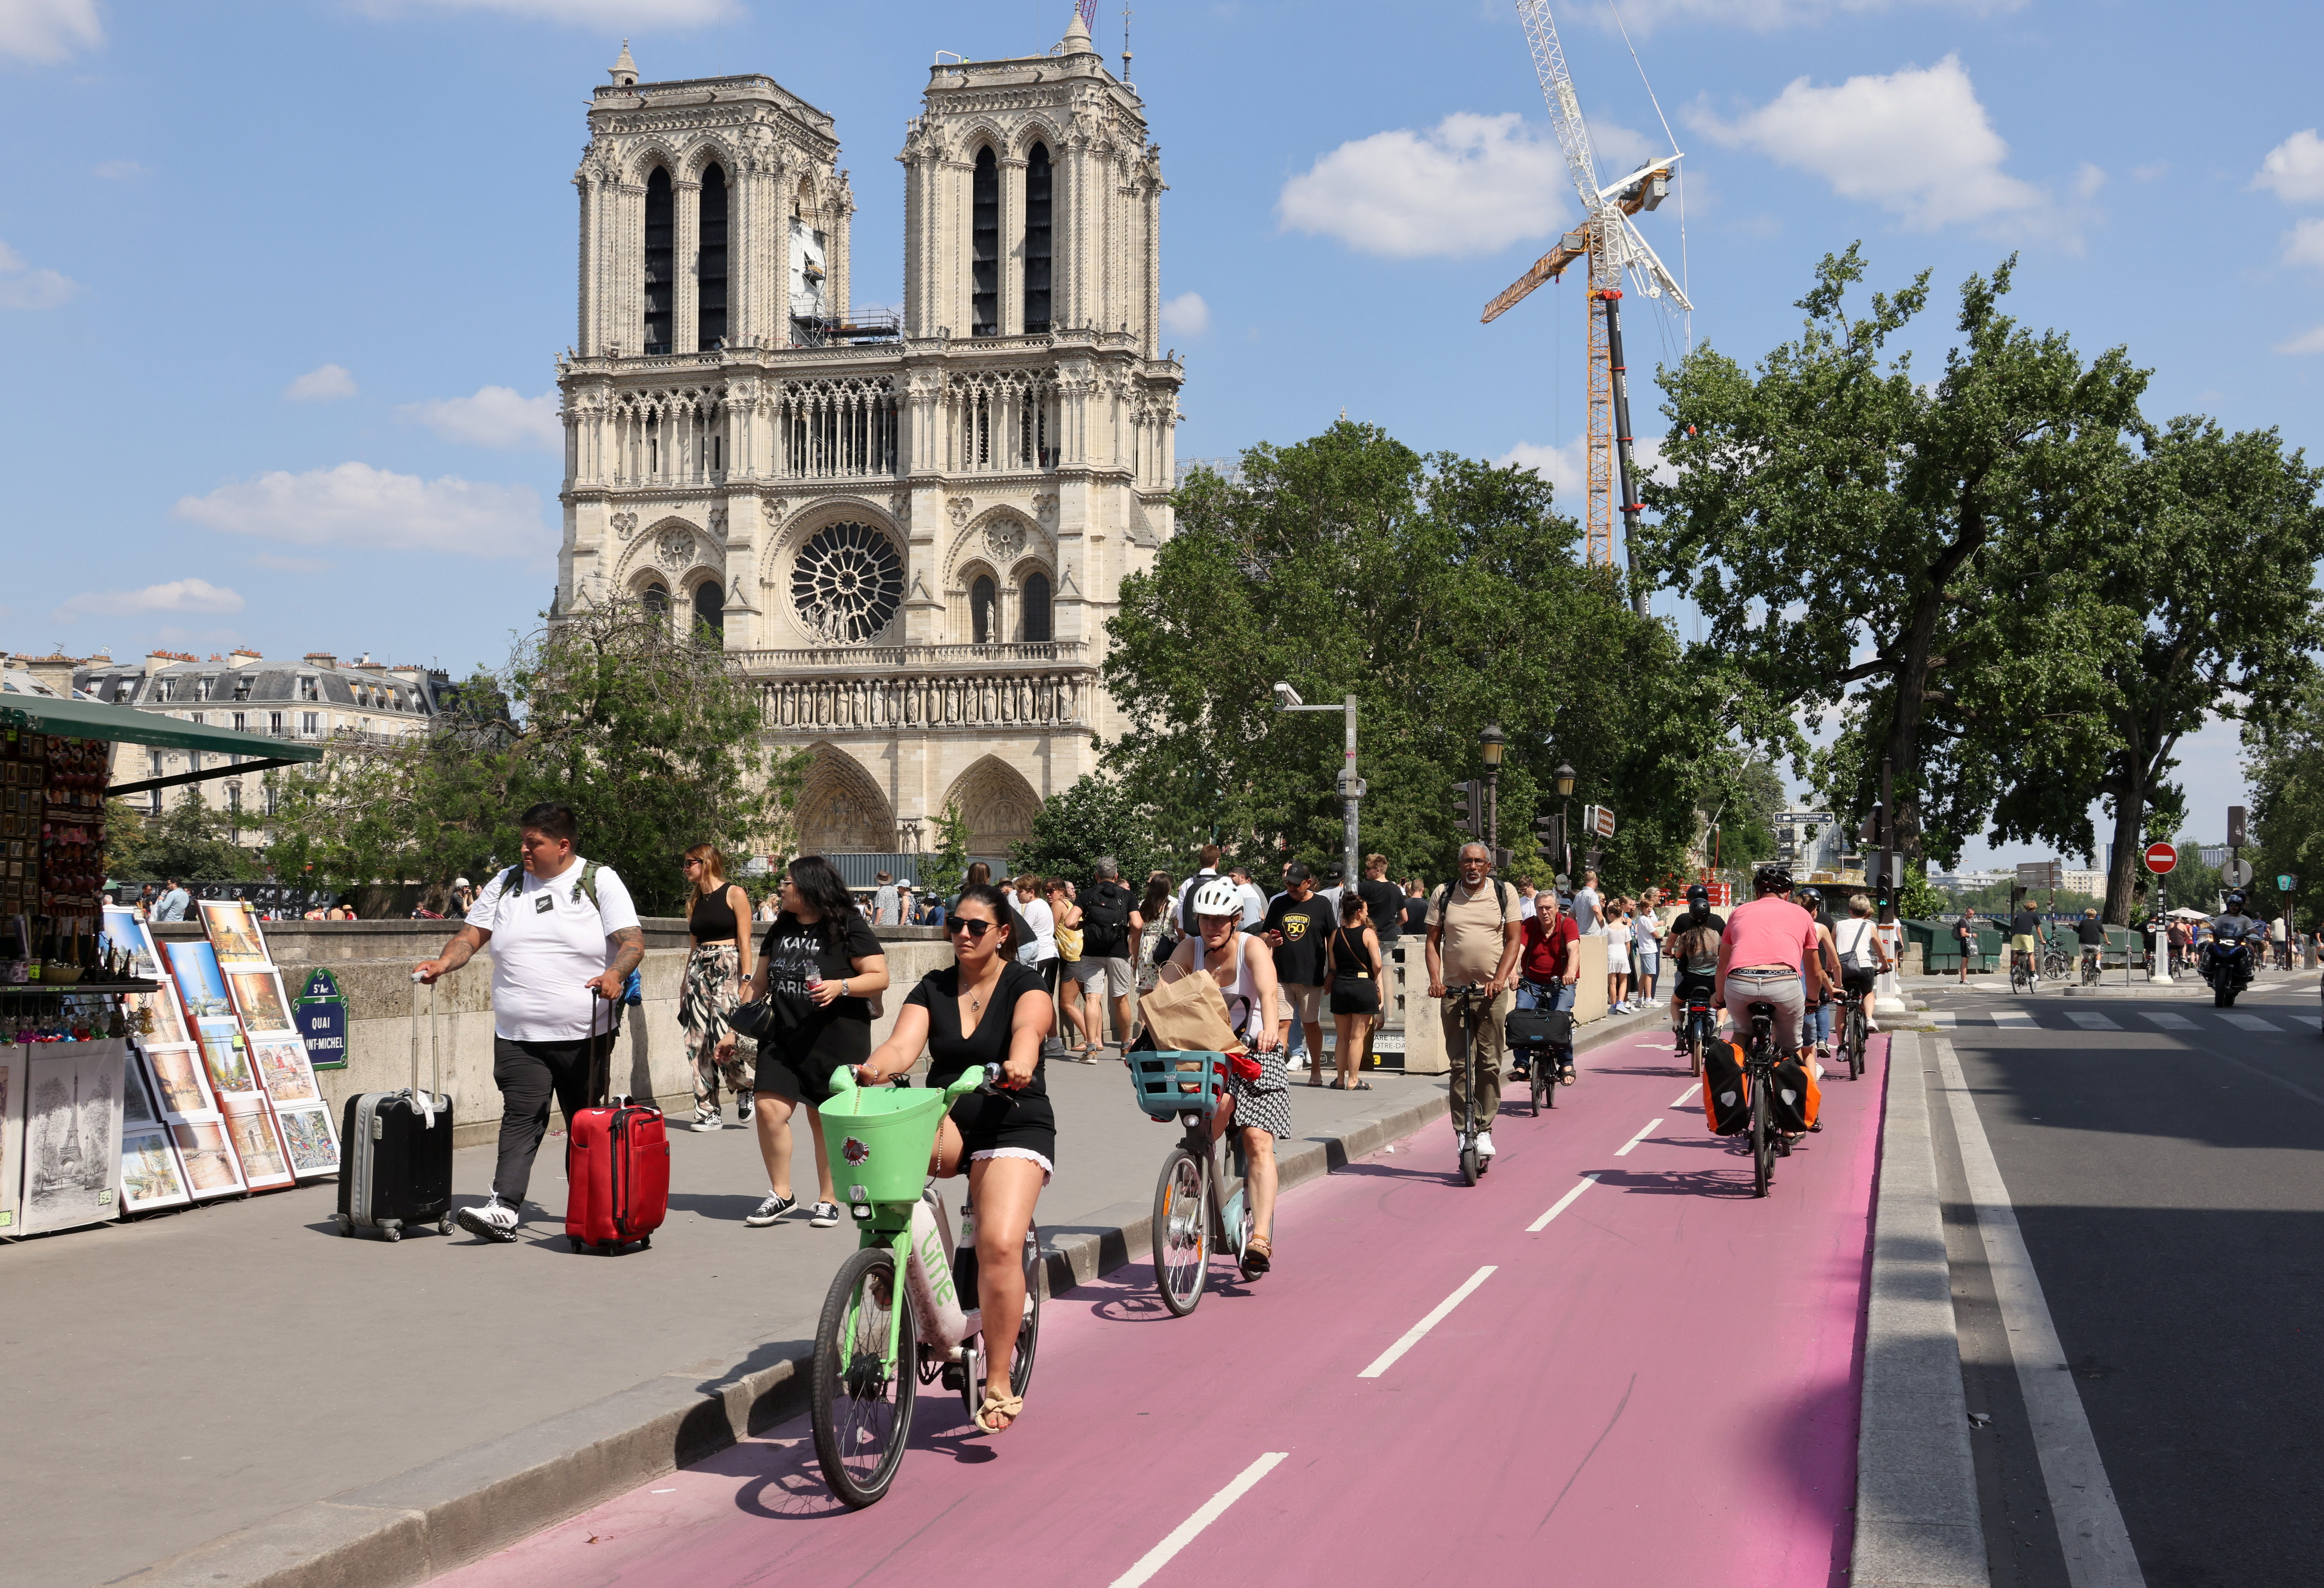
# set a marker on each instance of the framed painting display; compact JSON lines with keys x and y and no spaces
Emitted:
{"x":150,"y":1175}
{"x":201,"y":987}
{"x":227,"y":1059}
{"x":211,"y":1168}
{"x":123,"y":929}
{"x":156,"y":1015}
{"x":12,"y":1133}
{"x":72,"y":1135}
{"x":234,"y":934}
{"x":281,"y":1060}
{"x":310,"y":1139}
{"x":258,"y":997}
{"x":182,"y":1085}
{"x":251,"y":1132}
{"x":136,"y":1099}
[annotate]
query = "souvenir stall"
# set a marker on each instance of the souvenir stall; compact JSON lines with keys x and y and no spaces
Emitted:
{"x":114,"y":1093}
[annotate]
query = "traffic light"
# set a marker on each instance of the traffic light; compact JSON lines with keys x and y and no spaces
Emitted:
{"x":1469,"y":808}
{"x":1873,"y":831}
{"x":1545,"y":829}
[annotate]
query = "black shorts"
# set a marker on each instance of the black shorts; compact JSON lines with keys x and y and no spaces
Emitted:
{"x":1690,"y":985}
{"x":1355,"y":995}
{"x":797,"y":1066}
{"x":988,"y":1122}
{"x":1857,"y":980}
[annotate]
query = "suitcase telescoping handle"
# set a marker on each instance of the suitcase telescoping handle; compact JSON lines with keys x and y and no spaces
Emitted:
{"x":425,"y":1099}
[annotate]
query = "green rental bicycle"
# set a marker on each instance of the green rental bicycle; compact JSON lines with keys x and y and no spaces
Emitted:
{"x":894,"y":1318}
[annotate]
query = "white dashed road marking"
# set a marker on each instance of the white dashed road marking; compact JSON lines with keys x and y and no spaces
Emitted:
{"x":2012,"y":1017}
{"x":2249,"y":1022}
{"x":1563,"y":1202}
{"x":1212,"y":1509}
{"x":2168,"y":1020}
{"x":1386,"y":1358}
{"x":1624,"y":1149}
{"x":1684,"y":1096}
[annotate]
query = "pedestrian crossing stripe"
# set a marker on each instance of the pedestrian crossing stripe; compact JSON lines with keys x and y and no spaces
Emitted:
{"x":2012,"y":1017}
{"x":2168,"y":1020}
{"x":1938,"y":1017}
{"x":2249,"y":1022}
{"x":2090,"y":1020}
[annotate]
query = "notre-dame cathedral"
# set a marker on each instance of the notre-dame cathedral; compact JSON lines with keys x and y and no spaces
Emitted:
{"x":910,"y":526}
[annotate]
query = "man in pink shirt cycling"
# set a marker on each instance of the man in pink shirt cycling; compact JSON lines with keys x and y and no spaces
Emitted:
{"x":1767,"y":954}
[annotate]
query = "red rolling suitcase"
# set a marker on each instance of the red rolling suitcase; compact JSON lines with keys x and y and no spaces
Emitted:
{"x":616,"y":1171}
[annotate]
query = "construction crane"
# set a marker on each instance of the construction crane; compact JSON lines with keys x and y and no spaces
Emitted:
{"x":1611,"y":244}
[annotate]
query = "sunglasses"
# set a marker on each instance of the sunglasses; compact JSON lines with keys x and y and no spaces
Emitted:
{"x":687,"y":860}
{"x":975,"y":930}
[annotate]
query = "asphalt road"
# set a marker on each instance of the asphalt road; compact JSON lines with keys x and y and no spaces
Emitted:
{"x":1606,"y":1363}
{"x":2160,"y":1157}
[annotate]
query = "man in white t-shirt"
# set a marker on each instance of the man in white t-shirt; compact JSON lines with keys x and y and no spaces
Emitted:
{"x":1588,"y":911}
{"x":1254,"y":899}
{"x":564,"y":935}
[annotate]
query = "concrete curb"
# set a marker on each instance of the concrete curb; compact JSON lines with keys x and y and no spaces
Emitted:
{"x":444,"y":1513}
{"x":1917,"y":1520}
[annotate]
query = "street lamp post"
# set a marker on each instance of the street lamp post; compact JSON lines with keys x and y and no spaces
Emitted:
{"x":1351,"y":786}
{"x":1564,"y":776}
{"x":1490,"y":744}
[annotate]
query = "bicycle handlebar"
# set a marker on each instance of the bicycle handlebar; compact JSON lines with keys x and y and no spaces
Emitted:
{"x":984,"y":1079}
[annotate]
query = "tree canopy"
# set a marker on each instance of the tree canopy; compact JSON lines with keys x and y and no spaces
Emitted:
{"x":652,"y":738}
{"x":1445,"y":594}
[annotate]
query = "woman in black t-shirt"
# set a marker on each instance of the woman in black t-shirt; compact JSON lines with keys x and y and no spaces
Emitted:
{"x":985,"y":1009}
{"x":824,"y":965}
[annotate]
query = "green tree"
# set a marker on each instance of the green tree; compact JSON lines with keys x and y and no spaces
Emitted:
{"x":1834,"y":517}
{"x":188,"y":840}
{"x":943,"y":870}
{"x":653,"y":740}
{"x":1096,"y":815}
{"x":1443,"y":594}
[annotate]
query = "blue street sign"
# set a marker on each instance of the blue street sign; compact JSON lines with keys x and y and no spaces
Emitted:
{"x":322,"y":1020}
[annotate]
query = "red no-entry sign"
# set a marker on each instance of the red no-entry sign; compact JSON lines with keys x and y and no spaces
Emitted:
{"x":2161,"y":858}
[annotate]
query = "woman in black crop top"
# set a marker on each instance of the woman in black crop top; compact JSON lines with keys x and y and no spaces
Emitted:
{"x":714,"y":973}
{"x":985,"y":1008}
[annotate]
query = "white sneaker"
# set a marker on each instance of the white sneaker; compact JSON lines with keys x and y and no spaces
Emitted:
{"x":706,"y":1118}
{"x":825,"y":1214}
{"x":1871,"y":1026}
{"x":1484,"y":1144}
{"x":768,"y":1211}
{"x":494,"y":1219}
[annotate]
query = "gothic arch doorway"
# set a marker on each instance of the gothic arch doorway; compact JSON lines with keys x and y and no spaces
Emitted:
{"x":841,"y":808}
{"x":998,"y":805}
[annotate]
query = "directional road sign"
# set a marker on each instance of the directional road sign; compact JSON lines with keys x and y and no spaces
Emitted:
{"x":2161,"y":858}
{"x":2237,"y":873}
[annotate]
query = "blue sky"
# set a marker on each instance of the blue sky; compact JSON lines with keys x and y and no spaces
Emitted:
{"x":283,"y":282}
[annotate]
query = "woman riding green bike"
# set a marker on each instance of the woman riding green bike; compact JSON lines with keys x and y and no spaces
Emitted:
{"x":985,"y":1008}
{"x":1259,"y":1106}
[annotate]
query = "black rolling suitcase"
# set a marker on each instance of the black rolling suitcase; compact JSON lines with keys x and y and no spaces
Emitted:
{"x":396,"y":1147}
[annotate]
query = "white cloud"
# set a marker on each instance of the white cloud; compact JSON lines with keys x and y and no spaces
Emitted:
{"x":2294,"y":169}
{"x":1565,"y":467}
{"x":359,"y":506}
{"x":2308,"y":341}
{"x":22,"y":287}
{"x":2304,"y":244}
{"x":48,"y":29}
{"x":1471,"y":184}
{"x":1767,"y":15}
{"x":2087,"y":180}
{"x":183,"y":595}
{"x":1187,"y":315}
{"x":1915,"y":142}
{"x":635,"y":15}
{"x":495,"y":416}
{"x":327,"y":384}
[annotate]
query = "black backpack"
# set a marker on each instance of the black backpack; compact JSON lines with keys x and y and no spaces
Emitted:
{"x":1105,"y":922}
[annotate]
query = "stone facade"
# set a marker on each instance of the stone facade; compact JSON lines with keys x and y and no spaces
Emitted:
{"x":909,"y":527}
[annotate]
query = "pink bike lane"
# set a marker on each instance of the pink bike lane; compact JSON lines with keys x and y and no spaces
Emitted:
{"x":1656,"y":1384}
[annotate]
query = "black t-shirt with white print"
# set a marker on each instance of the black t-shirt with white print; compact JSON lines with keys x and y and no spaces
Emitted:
{"x":791,"y":949}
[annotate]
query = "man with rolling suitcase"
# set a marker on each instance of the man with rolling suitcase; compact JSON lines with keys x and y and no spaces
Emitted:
{"x":563,"y":934}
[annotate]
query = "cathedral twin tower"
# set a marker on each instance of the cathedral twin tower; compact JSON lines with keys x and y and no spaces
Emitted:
{"x":909,"y":527}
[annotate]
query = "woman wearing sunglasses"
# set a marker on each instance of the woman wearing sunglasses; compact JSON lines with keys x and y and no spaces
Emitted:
{"x":985,"y":1008}
{"x":824,"y":966}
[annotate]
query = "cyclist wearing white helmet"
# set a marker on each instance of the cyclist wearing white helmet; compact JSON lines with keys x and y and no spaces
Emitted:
{"x":1244,"y":969}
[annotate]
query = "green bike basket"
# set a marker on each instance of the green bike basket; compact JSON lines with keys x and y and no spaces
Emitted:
{"x":881,"y":1139}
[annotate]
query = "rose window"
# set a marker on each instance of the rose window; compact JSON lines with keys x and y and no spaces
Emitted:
{"x":847,"y":583}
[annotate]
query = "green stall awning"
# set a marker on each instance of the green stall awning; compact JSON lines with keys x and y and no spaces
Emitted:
{"x":124,"y":725}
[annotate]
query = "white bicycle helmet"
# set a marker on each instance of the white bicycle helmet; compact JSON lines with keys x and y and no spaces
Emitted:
{"x":1219,"y":896}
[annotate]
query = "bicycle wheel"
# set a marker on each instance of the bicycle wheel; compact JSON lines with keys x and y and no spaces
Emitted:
{"x":1543,"y":1076}
{"x":1763,"y":1146}
{"x":1698,"y":1038}
{"x":1028,"y":1330}
{"x":1182,"y":1232}
{"x":859,"y":1401}
{"x":1855,"y":1043}
{"x":2018,"y":975}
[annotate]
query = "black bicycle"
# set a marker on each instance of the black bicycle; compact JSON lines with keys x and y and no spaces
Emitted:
{"x":2091,"y":967}
{"x":1760,"y":1060}
{"x":1852,"y":1031}
{"x":1700,"y":1029}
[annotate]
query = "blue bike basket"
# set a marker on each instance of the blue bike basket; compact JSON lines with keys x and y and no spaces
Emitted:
{"x":1168,"y":1085}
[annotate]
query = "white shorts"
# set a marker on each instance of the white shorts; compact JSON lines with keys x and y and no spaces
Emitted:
{"x":1027,"y":1153}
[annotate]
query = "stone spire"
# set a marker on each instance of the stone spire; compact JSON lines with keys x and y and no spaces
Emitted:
{"x":625,"y":71}
{"x":1076,"y":41}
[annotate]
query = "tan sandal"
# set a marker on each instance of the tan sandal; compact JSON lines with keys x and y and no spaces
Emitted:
{"x":1007,"y":1406}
